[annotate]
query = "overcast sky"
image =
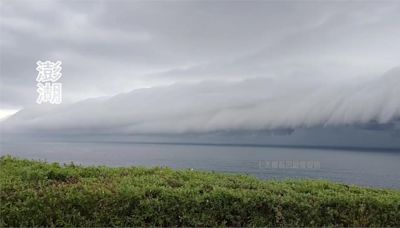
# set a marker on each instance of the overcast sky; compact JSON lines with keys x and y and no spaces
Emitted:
{"x":111,"y":47}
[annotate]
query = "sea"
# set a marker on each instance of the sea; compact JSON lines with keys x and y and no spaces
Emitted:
{"x":363,"y":167}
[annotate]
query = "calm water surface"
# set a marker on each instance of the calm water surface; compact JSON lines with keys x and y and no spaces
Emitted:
{"x":366,"y":168}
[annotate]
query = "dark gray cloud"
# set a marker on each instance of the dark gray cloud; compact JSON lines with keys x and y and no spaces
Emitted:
{"x":109,"y":47}
{"x":211,"y":65}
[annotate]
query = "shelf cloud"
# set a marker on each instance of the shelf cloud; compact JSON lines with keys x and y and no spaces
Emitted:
{"x":136,"y":67}
{"x":252,"y":104}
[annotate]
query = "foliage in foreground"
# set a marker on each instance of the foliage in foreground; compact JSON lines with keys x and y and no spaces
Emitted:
{"x":40,"y":194}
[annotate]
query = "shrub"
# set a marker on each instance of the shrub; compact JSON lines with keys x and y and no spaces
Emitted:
{"x":40,"y":194}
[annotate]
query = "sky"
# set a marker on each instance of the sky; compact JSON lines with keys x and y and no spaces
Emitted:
{"x":199,"y":66}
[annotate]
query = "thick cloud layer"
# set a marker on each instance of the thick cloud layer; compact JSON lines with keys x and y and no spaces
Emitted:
{"x":193,"y":66}
{"x":253,"y":104}
{"x":109,"y":47}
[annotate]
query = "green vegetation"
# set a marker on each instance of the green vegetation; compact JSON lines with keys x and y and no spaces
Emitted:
{"x":40,"y":194}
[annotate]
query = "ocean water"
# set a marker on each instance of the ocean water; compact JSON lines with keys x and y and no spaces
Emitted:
{"x":380,"y":169}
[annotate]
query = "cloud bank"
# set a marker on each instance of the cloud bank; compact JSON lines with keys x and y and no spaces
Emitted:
{"x":210,"y":106}
{"x":109,"y":47}
{"x":180,"y":67}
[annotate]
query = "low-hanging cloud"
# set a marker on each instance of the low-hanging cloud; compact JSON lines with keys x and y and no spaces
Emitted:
{"x":209,"y":106}
{"x":109,"y":47}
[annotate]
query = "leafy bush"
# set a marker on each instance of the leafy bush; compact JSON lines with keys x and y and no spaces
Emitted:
{"x":40,"y":194}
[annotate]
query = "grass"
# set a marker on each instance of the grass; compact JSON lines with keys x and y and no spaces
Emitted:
{"x":41,"y":194}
